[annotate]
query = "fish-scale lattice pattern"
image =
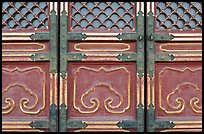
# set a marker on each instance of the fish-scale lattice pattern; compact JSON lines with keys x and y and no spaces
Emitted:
{"x":26,"y":15}
{"x":178,"y":15}
{"x":108,"y":16}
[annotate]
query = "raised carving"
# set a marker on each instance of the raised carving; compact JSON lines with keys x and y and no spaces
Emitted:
{"x":186,"y":93}
{"x":23,"y":47}
{"x":102,"y":47}
{"x":114,"y":102}
{"x":29,"y":105}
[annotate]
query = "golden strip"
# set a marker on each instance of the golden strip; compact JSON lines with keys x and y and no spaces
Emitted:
{"x":100,"y":122}
{"x":16,"y":38}
{"x":19,"y":130}
{"x":51,"y":6}
{"x":16,"y":126}
{"x":65,"y":90}
{"x":17,"y":34}
{"x":100,"y":130}
{"x":101,"y":38}
{"x":55,"y":3}
{"x":51,"y":87}
{"x":66,"y":7}
{"x":101,"y":34}
{"x":16,"y":59}
{"x":13,"y":123}
{"x":101,"y":44}
{"x":137,"y":7}
{"x":186,"y":39}
{"x":142,"y":90}
{"x":181,"y":130}
{"x":180,"y":44}
{"x":61,"y":7}
{"x":188,"y":126}
{"x":142,"y":7}
{"x":153,"y":93}
{"x":148,"y":7}
{"x":101,"y":126}
{"x":101,"y":59}
{"x":187,"y":59}
{"x":148,"y":91}
{"x":153,"y":7}
{"x":180,"y":54}
{"x":138,"y":89}
{"x":16,"y":55}
{"x":61,"y":90}
{"x":187,"y":122}
{"x":55,"y":75}
{"x":109,"y":55}
{"x":186,"y":34}
{"x":23,"y":50}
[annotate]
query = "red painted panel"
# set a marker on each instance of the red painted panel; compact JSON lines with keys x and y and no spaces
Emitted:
{"x":101,"y":90}
{"x":179,"y":90}
{"x":25,"y":90}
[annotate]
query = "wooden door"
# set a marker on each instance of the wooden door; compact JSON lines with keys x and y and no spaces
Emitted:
{"x":174,"y":81}
{"x":101,"y":66}
{"x":101,"y":84}
{"x":29,"y":66}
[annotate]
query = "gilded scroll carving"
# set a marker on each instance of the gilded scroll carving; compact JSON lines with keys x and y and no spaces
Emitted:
{"x":18,"y":92}
{"x":185,"y":95}
{"x":113,"y":102}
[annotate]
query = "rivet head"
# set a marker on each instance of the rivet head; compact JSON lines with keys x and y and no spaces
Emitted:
{"x":42,"y":57}
{"x":74,"y":57}
{"x":128,"y":57}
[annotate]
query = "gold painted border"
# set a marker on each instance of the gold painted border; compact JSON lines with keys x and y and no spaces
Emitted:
{"x":138,"y":83}
{"x":95,"y":70}
{"x":31,"y":68}
{"x":182,"y":130}
{"x":23,"y":50}
{"x":160,"y":89}
{"x":101,"y":130}
{"x":179,"y":44}
{"x":23,"y":126}
{"x":101,"y":44}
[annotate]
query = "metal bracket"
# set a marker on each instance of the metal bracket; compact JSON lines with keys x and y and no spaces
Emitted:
{"x":75,"y":56}
{"x":164,"y":57}
{"x":152,"y":124}
{"x":128,"y":36}
{"x":51,"y":124}
{"x":127,"y":57}
{"x":64,"y":124}
{"x":40,"y":57}
{"x":76,"y":36}
{"x":139,"y":123}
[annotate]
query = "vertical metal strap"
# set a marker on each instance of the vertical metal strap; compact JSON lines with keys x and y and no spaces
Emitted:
{"x":53,"y":41}
{"x":63,"y":43}
{"x":63,"y":118}
{"x":150,"y":44}
{"x":140,"y":44}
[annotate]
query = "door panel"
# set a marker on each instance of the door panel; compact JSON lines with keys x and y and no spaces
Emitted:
{"x":174,"y":86}
{"x":99,"y":82}
{"x":29,"y":77}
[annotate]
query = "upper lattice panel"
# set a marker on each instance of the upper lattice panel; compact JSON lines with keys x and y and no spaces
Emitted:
{"x":178,"y":16}
{"x":102,"y":16}
{"x":25,"y":15}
